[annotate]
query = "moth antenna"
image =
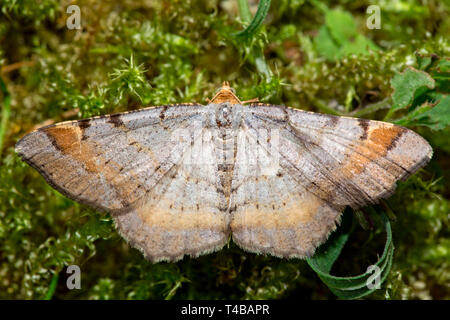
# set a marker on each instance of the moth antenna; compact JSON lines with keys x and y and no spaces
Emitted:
{"x":250,"y":101}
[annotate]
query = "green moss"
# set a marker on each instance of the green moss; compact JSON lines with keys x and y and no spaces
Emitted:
{"x":155,"y":52}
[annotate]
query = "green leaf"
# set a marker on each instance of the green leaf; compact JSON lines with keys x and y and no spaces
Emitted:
{"x":436,"y":118}
{"x":424,"y":61}
{"x":441,"y":73}
{"x":339,"y":36}
{"x":444,"y":65}
{"x":249,"y":34}
{"x":255,"y":24}
{"x":327,"y":254}
{"x":440,"y":114}
{"x":425,"y":93}
{"x":355,"y":286}
{"x":341,"y":25}
{"x":407,"y":85}
{"x":325,"y":44}
{"x":359,"y":45}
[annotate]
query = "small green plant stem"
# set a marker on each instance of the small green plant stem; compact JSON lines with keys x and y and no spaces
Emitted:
{"x":6,"y":111}
{"x":380,"y":105}
{"x":322,"y":106}
{"x":244,"y":11}
{"x":251,"y":30}
{"x":52,"y":287}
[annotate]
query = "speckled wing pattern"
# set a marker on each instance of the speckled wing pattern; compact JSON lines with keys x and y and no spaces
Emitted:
{"x":132,"y":165}
{"x":180,"y":179}
{"x":324,"y":164}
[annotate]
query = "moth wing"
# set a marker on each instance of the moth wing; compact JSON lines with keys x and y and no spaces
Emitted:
{"x":187,"y":214}
{"x":133,"y":165}
{"x":272,"y":212}
{"x":324,"y":164}
{"x":109,"y":162}
{"x":349,"y":161}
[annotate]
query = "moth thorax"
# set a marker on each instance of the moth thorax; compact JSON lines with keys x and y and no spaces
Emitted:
{"x":224,"y":115}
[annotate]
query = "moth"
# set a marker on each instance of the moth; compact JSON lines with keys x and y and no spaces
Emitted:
{"x":182,"y":179}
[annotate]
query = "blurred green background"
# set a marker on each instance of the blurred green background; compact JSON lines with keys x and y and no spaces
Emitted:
{"x":313,"y":55}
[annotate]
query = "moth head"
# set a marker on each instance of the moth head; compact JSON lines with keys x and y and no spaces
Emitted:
{"x":225,"y":94}
{"x":226,"y":87}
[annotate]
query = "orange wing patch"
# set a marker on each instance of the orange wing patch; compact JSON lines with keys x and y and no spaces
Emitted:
{"x":67,"y":139}
{"x":376,"y":143}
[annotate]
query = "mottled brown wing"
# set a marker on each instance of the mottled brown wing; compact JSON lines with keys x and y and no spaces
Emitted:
{"x":109,"y":162}
{"x":135,"y":165}
{"x":324,"y":164}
